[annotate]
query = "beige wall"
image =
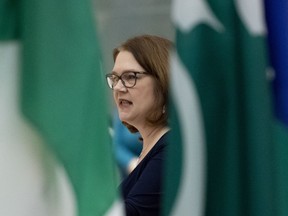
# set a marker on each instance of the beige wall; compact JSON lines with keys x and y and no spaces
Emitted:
{"x":120,"y":19}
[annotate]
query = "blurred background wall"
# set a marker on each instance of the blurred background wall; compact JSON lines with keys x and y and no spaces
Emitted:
{"x":120,"y":19}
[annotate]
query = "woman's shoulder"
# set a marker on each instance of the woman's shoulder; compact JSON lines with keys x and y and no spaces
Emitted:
{"x":160,"y":147}
{"x":163,"y":141}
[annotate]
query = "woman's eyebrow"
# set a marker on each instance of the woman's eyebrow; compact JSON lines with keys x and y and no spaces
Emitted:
{"x":114,"y":73}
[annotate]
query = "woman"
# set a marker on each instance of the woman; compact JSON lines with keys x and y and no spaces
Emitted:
{"x":139,"y":80}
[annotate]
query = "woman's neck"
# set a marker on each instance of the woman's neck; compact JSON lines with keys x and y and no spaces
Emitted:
{"x":150,"y":138}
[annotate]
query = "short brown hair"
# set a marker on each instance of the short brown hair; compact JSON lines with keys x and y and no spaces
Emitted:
{"x":152,"y":53}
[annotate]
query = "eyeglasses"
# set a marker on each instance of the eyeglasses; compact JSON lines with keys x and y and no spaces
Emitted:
{"x":127,"y":78}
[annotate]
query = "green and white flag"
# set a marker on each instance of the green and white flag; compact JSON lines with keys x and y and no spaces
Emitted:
{"x":221,"y":147}
{"x":56,"y":156}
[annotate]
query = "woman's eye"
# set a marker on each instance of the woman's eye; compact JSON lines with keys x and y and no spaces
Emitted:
{"x":114,"y":78}
{"x":129,"y":77}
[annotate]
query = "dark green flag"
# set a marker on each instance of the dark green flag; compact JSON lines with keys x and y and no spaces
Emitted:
{"x":225,"y":131}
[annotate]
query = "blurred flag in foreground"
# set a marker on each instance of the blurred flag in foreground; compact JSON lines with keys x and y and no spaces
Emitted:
{"x":63,"y":104}
{"x":277,"y":23}
{"x":223,"y":146}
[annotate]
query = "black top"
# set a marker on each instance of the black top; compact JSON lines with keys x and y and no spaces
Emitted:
{"x":142,"y":189}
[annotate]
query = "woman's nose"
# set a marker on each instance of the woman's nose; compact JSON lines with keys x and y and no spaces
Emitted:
{"x":120,"y":86}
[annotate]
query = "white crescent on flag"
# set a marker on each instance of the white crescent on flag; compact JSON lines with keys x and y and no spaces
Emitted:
{"x":190,"y":197}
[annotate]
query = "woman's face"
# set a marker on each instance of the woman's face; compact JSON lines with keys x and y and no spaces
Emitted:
{"x":133,"y":103}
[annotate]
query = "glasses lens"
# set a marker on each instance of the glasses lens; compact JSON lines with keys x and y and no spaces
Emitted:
{"x":129,"y":79}
{"x":111,"y":80}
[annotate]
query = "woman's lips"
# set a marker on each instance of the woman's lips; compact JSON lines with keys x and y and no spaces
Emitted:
{"x":124,"y":102}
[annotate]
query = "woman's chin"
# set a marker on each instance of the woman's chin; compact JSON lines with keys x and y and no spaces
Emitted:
{"x":124,"y":118}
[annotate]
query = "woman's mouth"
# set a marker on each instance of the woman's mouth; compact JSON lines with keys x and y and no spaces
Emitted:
{"x":123,"y":102}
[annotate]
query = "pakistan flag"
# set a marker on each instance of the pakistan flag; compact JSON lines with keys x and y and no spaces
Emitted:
{"x":221,"y":150}
{"x":54,"y":114}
